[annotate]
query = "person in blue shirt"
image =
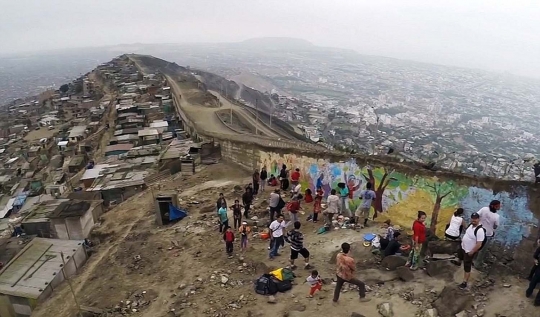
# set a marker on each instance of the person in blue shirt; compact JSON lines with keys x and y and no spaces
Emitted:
{"x":223,"y":218}
{"x":362,"y":212}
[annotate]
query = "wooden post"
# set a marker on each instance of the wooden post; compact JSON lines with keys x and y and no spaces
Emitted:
{"x":69,"y":283}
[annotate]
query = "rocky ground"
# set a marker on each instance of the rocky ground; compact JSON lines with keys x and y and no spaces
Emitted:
{"x":140,"y":269}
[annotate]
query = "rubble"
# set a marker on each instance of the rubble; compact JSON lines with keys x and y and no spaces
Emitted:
{"x":385,"y":309}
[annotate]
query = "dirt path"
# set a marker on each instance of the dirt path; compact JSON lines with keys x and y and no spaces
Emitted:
{"x":245,"y":116}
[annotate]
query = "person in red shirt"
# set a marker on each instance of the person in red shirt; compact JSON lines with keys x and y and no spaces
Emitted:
{"x":295,"y":177}
{"x":308,"y":196}
{"x":228,"y":237}
{"x":419,"y":242}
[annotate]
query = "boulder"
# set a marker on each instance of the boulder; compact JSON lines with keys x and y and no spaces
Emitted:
{"x":405,"y":274}
{"x":443,"y":247}
{"x":451,"y":301}
{"x":385,"y":309}
{"x":432,"y":312}
{"x":297,"y":307}
{"x":358,"y":251}
{"x":357,"y":315}
{"x":392,"y":262}
{"x":442,"y":269}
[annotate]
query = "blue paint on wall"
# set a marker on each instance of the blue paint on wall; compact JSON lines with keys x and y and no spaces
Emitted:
{"x":516,"y":219}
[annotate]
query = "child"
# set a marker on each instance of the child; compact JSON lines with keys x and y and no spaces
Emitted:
{"x":315,"y":282}
{"x":228,"y":237}
{"x":308,"y":196}
{"x":293,"y":207}
{"x":317,"y":206}
{"x":244,"y":230}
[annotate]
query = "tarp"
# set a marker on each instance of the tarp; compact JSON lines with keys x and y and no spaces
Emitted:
{"x":176,"y":214}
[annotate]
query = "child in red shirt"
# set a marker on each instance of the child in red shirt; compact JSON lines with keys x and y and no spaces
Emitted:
{"x":308,"y":198}
{"x":295,"y":177}
{"x":228,"y":237}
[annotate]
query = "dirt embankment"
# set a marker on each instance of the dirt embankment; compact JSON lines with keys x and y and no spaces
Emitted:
{"x":139,"y":269}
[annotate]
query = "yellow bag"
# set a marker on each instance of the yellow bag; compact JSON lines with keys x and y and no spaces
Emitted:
{"x":278,"y":274}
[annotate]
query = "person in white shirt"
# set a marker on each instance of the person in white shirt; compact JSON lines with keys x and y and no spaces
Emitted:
{"x":276,"y":234}
{"x":472,"y":242}
{"x":489,"y":219}
{"x":456,"y":225}
{"x":332,"y":207}
{"x":296,"y":190}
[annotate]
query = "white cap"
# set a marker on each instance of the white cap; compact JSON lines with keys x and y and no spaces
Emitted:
{"x":244,"y":223}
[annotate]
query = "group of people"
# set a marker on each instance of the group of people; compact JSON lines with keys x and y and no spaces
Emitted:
{"x":278,"y":233}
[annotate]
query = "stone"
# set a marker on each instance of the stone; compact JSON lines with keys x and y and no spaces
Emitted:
{"x":298,"y":307}
{"x":432,"y":312}
{"x":271,"y":299}
{"x":443,"y":247}
{"x":443,"y":269}
{"x":392,"y":262}
{"x":385,"y":309}
{"x":405,"y":274}
{"x":357,"y":315}
{"x":224,"y":279}
{"x":451,"y":301}
{"x":480,"y":312}
{"x":462,"y":314}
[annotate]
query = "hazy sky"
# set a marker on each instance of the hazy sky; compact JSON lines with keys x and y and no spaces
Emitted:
{"x":491,"y":34}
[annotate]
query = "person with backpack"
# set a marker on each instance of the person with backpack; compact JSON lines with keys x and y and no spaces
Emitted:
{"x":489,"y":219}
{"x":296,"y":239}
{"x":473,"y":241}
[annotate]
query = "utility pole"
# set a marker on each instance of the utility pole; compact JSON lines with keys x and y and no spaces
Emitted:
{"x":256,"y":117}
{"x":69,"y":283}
{"x":270,"y":119}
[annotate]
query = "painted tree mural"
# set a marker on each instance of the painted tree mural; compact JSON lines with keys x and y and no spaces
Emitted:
{"x":443,"y":194}
{"x":381,"y":179}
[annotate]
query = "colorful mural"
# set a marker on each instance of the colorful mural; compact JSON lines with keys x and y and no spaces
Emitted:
{"x":400,"y":196}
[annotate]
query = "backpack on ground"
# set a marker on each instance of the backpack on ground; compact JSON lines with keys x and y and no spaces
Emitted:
{"x":476,"y":232}
{"x":266,"y":285}
{"x":282,"y":286}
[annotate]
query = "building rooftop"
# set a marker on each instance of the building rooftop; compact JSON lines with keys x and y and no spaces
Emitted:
{"x":77,"y":131}
{"x":35,"y":267}
{"x":118,"y":147}
{"x":148,"y":132}
{"x":73,"y":208}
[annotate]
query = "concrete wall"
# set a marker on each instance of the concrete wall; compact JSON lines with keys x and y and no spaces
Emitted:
{"x":404,"y":189}
{"x":74,"y":228}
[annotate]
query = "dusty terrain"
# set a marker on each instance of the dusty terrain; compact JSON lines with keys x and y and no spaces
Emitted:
{"x":140,"y":269}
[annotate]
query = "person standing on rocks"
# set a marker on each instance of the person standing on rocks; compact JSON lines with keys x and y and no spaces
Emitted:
{"x":346,"y":267}
{"x":344,"y":195}
{"x":456,"y":225}
{"x":295,"y":177}
{"x":247,"y":200}
{"x":223,"y":218}
{"x":237,"y":214}
{"x":362,"y":212}
{"x":471,"y":243}
{"x":264,"y":178}
{"x":228,"y":237}
{"x":275,"y":197}
{"x":489,"y":219}
{"x":332,"y":207}
{"x":534,"y":278}
{"x":244,"y":231}
{"x":296,"y":239}
{"x":220,"y":201}
{"x":419,"y":246}
{"x":256,"y":182}
{"x":276,"y":234}
{"x":317,"y":206}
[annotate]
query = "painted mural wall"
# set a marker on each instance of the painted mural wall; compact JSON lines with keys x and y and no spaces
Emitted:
{"x":400,"y":196}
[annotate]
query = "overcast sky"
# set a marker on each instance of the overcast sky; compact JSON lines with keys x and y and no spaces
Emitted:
{"x":491,"y":34}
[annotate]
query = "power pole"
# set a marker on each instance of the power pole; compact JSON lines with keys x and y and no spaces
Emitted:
{"x":270,"y":119}
{"x":256,"y":117}
{"x":69,"y":283}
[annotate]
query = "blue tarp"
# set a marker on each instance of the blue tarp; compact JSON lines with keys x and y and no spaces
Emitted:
{"x":176,"y":214}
